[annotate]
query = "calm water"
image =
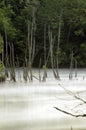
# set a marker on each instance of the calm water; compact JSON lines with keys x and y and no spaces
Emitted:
{"x":30,"y":106}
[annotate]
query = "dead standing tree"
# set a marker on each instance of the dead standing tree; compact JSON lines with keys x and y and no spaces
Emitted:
{"x":71,"y":67}
{"x":6,"y":50}
{"x":75,"y":68}
{"x":31,"y":38}
{"x":12,"y":63}
{"x":51,"y":52}
{"x":58,"y":46}
{"x":51,"y":42}
{"x":45,"y":60}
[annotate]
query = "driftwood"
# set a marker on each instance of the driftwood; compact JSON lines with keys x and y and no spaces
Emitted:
{"x":77,"y":97}
{"x":69,"y":113}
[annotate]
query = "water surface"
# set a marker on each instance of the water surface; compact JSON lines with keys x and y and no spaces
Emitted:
{"x":30,"y":106}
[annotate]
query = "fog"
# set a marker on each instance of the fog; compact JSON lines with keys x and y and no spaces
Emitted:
{"x":30,"y":106}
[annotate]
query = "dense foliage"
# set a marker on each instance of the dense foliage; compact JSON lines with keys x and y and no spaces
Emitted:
{"x":15,"y":15}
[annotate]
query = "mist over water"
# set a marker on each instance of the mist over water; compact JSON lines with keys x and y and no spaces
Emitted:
{"x":30,"y":106}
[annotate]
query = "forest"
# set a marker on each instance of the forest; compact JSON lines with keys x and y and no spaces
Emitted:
{"x":42,"y":64}
{"x":28,"y":27}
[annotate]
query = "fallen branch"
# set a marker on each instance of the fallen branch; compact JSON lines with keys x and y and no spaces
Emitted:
{"x":35,"y":77}
{"x":75,"y":95}
{"x":69,"y":113}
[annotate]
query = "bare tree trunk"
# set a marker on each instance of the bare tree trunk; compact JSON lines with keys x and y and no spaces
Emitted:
{"x":39,"y":70}
{"x":30,"y":56}
{"x":48,"y":55}
{"x":71,"y":128}
{"x":44,"y":66}
{"x":57,"y":70}
{"x":59,"y":35}
{"x":6,"y":51}
{"x":28,"y":49}
{"x":6,"y":57}
{"x":17,"y":64}
{"x":12,"y":63}
{"x":31,"y":41}
{"x":44,"y":75}
{"x":51,"y":52}
{"x":75,"y":68}
{"x":33,"y":30}
{"x":45,"y":44}
{"x":71,"y":67}
{"x":14,"y":79}
{"x":3,"y":52}
{"x":25,"y":69}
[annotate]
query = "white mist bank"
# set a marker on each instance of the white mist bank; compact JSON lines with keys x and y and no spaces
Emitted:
{"x":30,"y":106}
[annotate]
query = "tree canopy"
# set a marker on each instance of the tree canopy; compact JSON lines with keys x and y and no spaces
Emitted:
{"x":15,"y":15}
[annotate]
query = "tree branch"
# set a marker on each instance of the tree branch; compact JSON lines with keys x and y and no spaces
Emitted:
{"x":69,"y":113}
{"x":73,"y":94}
